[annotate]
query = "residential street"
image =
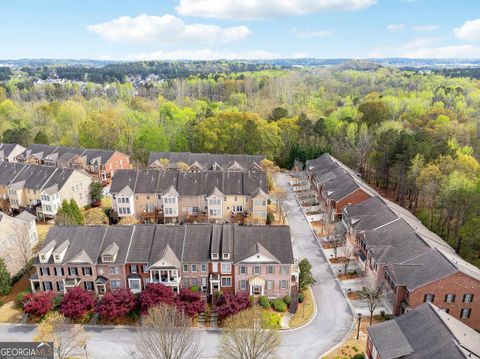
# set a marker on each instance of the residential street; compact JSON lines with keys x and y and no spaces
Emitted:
{"x":332,"y":322}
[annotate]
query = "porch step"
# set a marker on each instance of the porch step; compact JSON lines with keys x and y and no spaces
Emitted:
{"x":213,"y":320}
{"x":201,"y":320}
{"x":94,"y":319}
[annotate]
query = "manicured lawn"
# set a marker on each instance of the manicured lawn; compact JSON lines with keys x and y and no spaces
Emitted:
{"x":106,"y":202}
{"x":10,"y":313}
{"x":304,"y":311}
{"x":42,"y":230}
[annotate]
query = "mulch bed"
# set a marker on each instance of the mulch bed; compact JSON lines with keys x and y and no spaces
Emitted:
{"x":338,"y":260}
{"x":353,"y":296}
{"x":348,"y":276}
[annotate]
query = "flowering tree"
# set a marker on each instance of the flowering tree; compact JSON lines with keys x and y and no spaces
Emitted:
{"x":116,"y":304}
{"x":76,"y":303}
{"x":230,"y":304}
{"x":189,"y":302}
{"x":154,"y":294}
{"x":38,"y":304}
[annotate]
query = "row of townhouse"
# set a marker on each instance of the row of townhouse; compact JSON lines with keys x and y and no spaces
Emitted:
{"x":423,"y":333}
{"x":101,"y":164}
{"x":196,"y":162}
{"x":154,"y":196}
{"x":42,"y":188}
{"x":209,"y":257}
{"x":413,"y":264}
{"x":336,"y":185}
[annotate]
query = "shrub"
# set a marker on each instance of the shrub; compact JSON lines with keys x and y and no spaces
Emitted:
{"x":189,"y":302}
{"x":271,"y":320}
{"x":154,"y":294}
{"x":287,"y":300}
{"x":195,"y":288}
{"x":301,"y":297}
{"x":270,"y":218}
{"x":279,"y":305}
{"x":359,"y":356}
{"x":230,"y":304}
{"x":22,"y":294}
{"x":116,"y":304}
{"x":352,"y":272}
{"x":305,"y":279}
{"x":38,"y":304}
{"x":264,"y":302}
{"x":57,"y":301}
{"x":76,"y":303}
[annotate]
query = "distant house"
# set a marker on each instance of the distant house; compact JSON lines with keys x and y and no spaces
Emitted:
{"x":10,"y":151}
{"x":196,"y":162}
{"x":102,"y":164}
{"x":42,"y":188}
{"x":154,"y":196}
{"x":337,"y":185}
{"x":426,"y":332}
{"x":18,"y":236}
{"x":208,"y":257}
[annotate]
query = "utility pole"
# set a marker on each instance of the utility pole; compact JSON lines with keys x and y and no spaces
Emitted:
{"x":359,"y":321}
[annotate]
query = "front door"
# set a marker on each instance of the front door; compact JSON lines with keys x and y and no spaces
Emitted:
{"x":256,"y":290}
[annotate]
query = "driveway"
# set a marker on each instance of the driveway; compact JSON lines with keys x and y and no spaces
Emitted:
{"x":330,"y":325}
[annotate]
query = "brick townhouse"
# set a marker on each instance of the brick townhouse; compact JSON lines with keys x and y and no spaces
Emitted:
{"x":41,"y":189}
{"x":414,"y":264}
{"x":162,"y":196}
{"x":195,"y":162}
{"x":336,"y":185}
{"x":208,"y":257}
{"x":423,"y":333}
{"x":101,"y":164}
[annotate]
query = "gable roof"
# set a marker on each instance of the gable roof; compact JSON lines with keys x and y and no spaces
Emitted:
{"x":425,"y":332}
{"x":370,"y":214}
{"x":206,"y":161}
{"x":6,"y":149}
{"x":274,"y":241}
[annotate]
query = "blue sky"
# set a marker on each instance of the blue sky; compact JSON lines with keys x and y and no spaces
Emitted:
{"x":208,"y":29}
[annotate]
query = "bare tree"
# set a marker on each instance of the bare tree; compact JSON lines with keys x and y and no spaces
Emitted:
{"x":373,"y":294}
{"x":68,"y":339}
{"x":246,"y":336}
{"x":279,"y":196}
{"x":22,"y":242}
{"x":349,"y":251}
{"x":166,"y":334}
{"x":284,"y":212}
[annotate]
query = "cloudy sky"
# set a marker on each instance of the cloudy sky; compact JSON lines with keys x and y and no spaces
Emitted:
{"x":211,"y":29}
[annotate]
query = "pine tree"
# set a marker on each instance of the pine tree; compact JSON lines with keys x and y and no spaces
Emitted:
{"x":5,"y":280}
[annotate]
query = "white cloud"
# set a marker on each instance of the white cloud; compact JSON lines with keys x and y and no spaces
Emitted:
{"x":424,"y":28}
{"x":470,"y":30}
{"x":425,"y":48}
{"x":311,"y":33}
{"x":262,"y":9}
{"x":205,"y":54}
{"x":395,"y":27}
{"x":300,"y":55}
{"x":166,"y":28}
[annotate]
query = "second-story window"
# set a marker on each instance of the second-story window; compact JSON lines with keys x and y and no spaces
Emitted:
{"x":194,"y":268}
{"x":185,"y":268}
{"x":113,"y":270}
{"x":87,"y":271}
{"x":226,"y":268}
{"x":449,"y":298}
{"x":257,"y":270}
{"x":72,"y":271}
{"x":465,"y":313}
{"x":133,"y":268}
{"x":429,"y":298}
{"x":270,"y":270}
{"x":204,"y":268}
{"x":468,"y":298}
{"x":243,"y":270}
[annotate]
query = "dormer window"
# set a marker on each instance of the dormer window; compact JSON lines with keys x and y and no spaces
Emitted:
{"x":107,"y":259}
{"x":43,"y":257}
{"x":214,"y":255}
{"x":57,"y":258}
{"x":226,"y":256}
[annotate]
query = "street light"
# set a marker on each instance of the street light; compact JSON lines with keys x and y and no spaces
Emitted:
{"x":359,"y":321}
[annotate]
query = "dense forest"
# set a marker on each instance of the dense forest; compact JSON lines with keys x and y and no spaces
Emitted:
{"x":411,"y":134}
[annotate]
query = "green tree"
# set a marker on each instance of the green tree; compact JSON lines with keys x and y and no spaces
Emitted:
{"x":278,"y":113}
{"x":305,"y":278}
{"x":96,"y":191}
{"x":41,"y":137}
{"x":69,"y":214}
{"x":5,"y":280}
{"x":20,"y":135}
{"x":374,"y":112}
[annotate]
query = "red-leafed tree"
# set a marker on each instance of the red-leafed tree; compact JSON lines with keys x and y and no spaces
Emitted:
{"x":38,"y":304}
{"x":189,"y":302}
{"x":230,"y":304}
{"x":116,"y":304}
{"x":76,"y":303}
{"x":154,"y":294}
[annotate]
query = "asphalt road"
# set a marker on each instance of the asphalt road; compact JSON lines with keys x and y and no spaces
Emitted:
{"x":330,"y":325}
